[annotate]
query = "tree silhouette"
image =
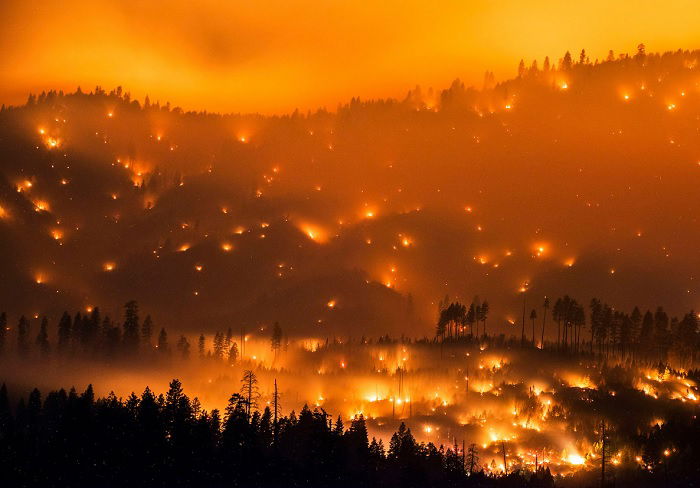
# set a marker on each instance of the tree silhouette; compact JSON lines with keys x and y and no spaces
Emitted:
{"x":472,"y":459}
{"x":131,"y":326}
{"x":22,"y":336}
{"x":233,"y":354}
{"x":169,"y":440}
{"x":218,"y":345}
{"x":183,"y":347}
{"x":471,"y":318}
{"x":545,"y":307}
{"x":163,"y":347}
{"x":42,"y":338}
{"x":484,"y":314}
{"x":147,"y":331}
{"x":661,"y":331}
{"x":276,"y":338}
{"x":451,"y":319}
{"x":200,"y":346}
{"x":64,"y":332}
{"x":250,"y":391}
{"x":566,"y":62}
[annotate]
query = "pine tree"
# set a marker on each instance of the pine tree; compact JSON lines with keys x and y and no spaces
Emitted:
{"x":163,"y":342}
{"x":147,"y":331}
{"x":131,"y":326}
{"x":470,"y":319}
{"x":566,"y":63}
{"x":183,"y":347}
{"x":339,"y":428}
{"x":557,"y":315}
{"x":22,"y":333}
{"x":276,"y":338}
{"x":484,"y":314}
{"x":200,"y":346}
{"x":636,"y":318}
{"x":76,"y":331}
{"x":472,"y":459}
{"x":64,"y":332}
{"x":227,"y":339}
{"x":641,"y":53}
{"x":91,"y":329}
{"x":178,"y":412}
{"x":646,"y":334}
{"x":113,"y":340}
{"x":233,"y":354}
{"x":218,"y":345}
{"x":42,"y":338}
{"x":661,"y":332}
{"x":376,"y":455}
{"x":441,"y":327}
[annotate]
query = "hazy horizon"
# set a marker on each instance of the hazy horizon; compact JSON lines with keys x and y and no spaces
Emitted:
{"x":305,"y":54}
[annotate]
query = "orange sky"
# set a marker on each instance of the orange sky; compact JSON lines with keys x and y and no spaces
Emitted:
{"x":274,"y":56}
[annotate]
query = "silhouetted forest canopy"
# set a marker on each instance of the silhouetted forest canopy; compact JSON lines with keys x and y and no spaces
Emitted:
{"x":72,"y":439}
{"x":649,"y":337}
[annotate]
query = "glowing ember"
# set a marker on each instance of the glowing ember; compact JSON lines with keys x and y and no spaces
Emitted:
{"x":576,"y":459}
{"x":52,"y":142}
{"x":41,"y":206}
{"x":24,"y":185}
{"x":314,"y":232}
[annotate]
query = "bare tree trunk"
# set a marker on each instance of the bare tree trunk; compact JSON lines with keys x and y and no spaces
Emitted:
{"x":544,"y":319}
